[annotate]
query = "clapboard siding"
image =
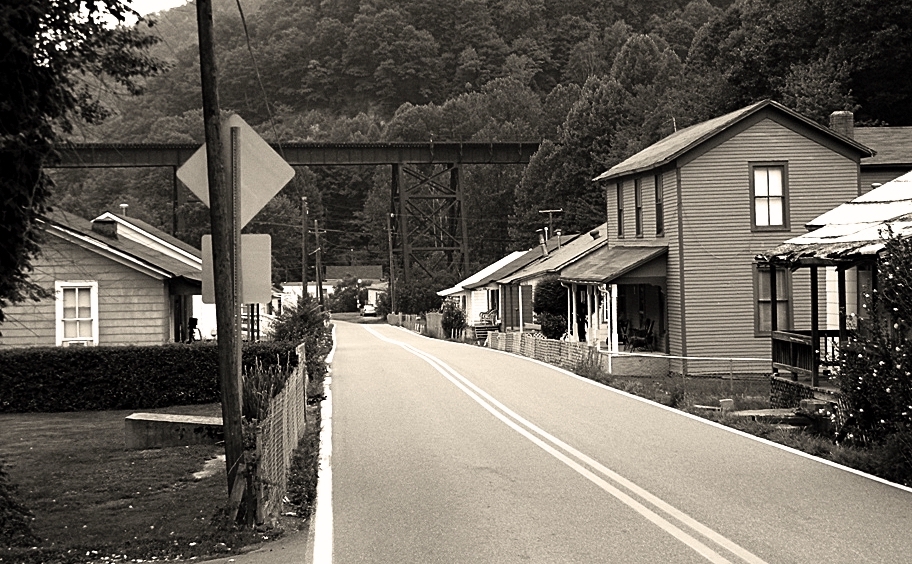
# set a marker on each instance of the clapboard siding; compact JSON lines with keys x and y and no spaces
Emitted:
{"x":134,"y":308}
{"x":718,"y":244}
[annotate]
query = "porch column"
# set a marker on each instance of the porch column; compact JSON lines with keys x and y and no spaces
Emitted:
{"x":815,"y":327}
{"x":570,"y":329}
{"x":589,"y":324}
{"x":841,"y":279}
{"x":774,"y":307}
{"x":614,"y":314}
{"x":574,"y":295}
{"x":519,"y":294}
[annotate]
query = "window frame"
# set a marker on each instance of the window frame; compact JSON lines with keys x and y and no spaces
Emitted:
{"x":60,"y":287}
{"x":786,"y":222}
{"x":783,"y":286}
{"x":660,"y":205}
{"x":620,"y":209}
{"x":638,"y":207}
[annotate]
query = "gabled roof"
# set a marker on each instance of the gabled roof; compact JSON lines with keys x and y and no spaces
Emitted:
{"x":126,"y":251}
{"x":147,"y":232}
{"x":680,"y":142}
{"x":482,"y":274}
{"x":853,"y":230}
{"x":893,"y":145}
{"x":560,"y":258}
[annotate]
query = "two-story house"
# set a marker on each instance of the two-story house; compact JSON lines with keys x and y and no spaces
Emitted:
{"x":688,"y":214}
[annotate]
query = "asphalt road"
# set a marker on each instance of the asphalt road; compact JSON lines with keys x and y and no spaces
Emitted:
{"x":445,"y":452}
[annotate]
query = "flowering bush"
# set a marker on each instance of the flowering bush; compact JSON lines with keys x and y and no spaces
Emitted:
{"x":876,"y":371}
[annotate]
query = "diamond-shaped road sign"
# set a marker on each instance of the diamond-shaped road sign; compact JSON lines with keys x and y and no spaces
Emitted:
{"x":263,"y":171}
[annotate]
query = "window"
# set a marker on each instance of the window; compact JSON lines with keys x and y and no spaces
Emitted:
{"x":660,"y":206}
{"x":620,"y":202}
{"x":77,"y":313}
{"x":763,"y":311}
{"x":769,"y":192}
{"x":638,"y":202}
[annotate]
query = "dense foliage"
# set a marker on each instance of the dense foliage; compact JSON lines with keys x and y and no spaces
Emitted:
{"x":876,"y":372}
{"x":98,"y":378}
{"x":348,"y":295}
{"x":57,"y":60}
{"x":453,"y":317}
{"x":594,"y":81}
{"x":306,"y":322}
{"x":549,"y":302}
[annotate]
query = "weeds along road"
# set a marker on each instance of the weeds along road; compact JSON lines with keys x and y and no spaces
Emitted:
{"x":444,"y":452}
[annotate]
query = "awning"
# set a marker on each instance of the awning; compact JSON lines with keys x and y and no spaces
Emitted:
{"x":607,"y":265}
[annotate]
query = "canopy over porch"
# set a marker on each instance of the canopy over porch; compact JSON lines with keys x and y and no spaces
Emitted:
{"x":616,"y":288}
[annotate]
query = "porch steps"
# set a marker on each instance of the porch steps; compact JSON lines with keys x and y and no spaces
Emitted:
{"x":481,"y":332}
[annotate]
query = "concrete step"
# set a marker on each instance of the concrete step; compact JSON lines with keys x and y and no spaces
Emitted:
{"x":774,"y":416}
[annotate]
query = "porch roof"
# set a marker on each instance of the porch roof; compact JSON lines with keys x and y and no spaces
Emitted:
{"x":560,"y":258}
{"x":852,"y":231}
{"x":603,"y":267}
{"x":483,"y":275}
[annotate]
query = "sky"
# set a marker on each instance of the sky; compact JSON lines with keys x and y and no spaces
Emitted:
{"x":149,"y":6}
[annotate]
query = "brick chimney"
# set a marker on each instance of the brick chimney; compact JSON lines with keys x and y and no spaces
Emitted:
{"x":843,"y":122}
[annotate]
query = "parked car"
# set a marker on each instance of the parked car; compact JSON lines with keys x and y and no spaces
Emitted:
{"x":368,"y":310}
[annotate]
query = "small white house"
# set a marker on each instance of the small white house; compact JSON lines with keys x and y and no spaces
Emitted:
{"x":482,"y":300}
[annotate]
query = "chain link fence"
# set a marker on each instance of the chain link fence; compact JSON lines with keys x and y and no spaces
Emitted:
{"x":278,"y":436}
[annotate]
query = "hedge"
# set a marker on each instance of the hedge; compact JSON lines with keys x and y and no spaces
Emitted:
{"x":51,"y":379}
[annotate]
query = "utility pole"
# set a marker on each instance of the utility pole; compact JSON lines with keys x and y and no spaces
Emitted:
{"x":304,"y":214}
{"x":223,"y":213}
{"x":550,"y":220}
{"x":319,"y":252}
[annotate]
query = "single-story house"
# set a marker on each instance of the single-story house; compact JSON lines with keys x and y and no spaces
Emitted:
{"x":688,"y":214}
{"x":582,"y":307}
{"x":481,"y":305}
{"x":115,"y":280}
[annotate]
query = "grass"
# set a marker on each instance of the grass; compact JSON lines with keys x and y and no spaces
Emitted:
{"x":93,"y":499}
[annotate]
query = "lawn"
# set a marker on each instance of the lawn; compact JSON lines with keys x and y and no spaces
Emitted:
{"x":93,"y":499}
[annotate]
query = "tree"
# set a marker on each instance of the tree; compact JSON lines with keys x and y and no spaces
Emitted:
{"x":54,"y":59}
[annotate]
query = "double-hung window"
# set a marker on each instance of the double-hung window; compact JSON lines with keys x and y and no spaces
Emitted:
{"x":660,"y":206}
{"x":769,"y":195}
{"x":620,"y":209}
{"x":76,"y":312}
{"x":763,"y":311}
{"x":638,"y":203}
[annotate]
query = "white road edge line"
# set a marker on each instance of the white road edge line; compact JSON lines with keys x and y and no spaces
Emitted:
{"x":323,"y":514}
{"x":711,"y":423}
{"x":475,"y":393}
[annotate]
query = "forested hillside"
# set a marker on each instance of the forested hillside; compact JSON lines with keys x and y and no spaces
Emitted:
{"x":594,"y":80}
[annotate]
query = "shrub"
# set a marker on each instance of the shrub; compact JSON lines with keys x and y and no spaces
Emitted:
{"x":454,"y":317}
{"x":550,"y":297}
{"x":306,"y":323}
{"x":552,"y":326}
{"x":142,"y":377}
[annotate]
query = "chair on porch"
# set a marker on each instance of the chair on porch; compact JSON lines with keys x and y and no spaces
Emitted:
{"x":643,"y":339}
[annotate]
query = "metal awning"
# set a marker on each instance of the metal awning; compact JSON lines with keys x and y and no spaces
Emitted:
{"x":609,"y":264}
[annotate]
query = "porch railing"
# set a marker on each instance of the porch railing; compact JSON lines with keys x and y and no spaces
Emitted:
{"x":795,"y":352}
